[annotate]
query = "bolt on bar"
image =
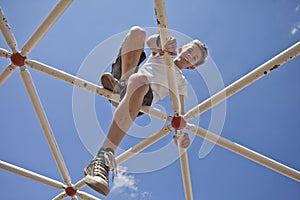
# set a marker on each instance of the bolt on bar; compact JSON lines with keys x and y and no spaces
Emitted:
{"x":45,"y":125}
{"x":6,"y":73}
{"x":246,"y":80}
{"x":90,"y":87}
{"x":31,"y":175}
{"x":164,"y":37}
{"x":143,"y":145}
{"x":45,"y":26}
{"x":8,"y":35}
{"x":245,"y":152}
{"x":4,"y":53}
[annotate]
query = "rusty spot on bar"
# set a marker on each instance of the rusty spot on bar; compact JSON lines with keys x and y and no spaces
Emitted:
{"x":274,"y":67}
{"x":158,"y":22}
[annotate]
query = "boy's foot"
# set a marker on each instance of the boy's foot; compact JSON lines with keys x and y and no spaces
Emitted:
{"x":108,"y":81}
{"x":96,"y":173}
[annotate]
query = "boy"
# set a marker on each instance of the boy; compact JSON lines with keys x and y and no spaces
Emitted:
{"x":139,"y":87}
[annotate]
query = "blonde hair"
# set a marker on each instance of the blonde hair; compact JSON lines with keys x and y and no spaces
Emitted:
{"x":203,"y":49}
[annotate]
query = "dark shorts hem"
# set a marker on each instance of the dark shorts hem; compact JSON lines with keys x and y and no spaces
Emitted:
{"x":117,"y":72}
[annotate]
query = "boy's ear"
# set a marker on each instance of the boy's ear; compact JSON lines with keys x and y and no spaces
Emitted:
{"x":179,"y":50}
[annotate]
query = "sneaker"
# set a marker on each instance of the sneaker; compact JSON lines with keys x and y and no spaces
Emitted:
{"x":109,"y":82}
{"x":97,"y":172}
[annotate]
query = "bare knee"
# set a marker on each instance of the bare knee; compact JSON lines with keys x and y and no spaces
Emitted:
{"x":134,"y":42}
{"x":138,"y":33}
{"x":138,"y":83}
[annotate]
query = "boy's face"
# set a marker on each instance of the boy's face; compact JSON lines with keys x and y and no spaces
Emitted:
{"x":188,"y":57}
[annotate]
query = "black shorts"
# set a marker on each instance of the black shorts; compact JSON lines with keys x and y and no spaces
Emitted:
{"x":117,"y":72}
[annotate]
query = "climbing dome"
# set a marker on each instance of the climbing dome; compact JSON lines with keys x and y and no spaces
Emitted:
{"x":19,"y":59}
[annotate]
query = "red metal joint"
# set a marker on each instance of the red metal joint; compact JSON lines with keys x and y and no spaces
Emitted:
{"x":178,"y":123}
{"x":17,"y":59}
{"x":70,"y":191}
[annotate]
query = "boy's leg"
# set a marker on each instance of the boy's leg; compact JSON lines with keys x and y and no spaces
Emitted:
{"x":130,"y":56}
{"x":97,"y":171}
{"x":131,"y":51}
{"x":127,"y":110}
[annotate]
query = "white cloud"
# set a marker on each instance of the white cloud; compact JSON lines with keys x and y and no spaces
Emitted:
{"x":297,"y":8}
{"x":295,"y":28}
{"x":126,"y":184}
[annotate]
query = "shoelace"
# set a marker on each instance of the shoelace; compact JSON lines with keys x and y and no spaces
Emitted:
{"x":110,"y":161}
{"x":100,"y":168}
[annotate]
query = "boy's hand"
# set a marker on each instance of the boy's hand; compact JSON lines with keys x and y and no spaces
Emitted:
{"x":154,"y":43}
{"x":171,"y":46}
{"x":183,"y":140}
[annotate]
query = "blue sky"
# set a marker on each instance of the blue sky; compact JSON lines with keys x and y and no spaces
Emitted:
{"x":240,"y":36}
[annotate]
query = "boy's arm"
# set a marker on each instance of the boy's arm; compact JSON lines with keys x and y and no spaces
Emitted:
{"x":154,"y":44}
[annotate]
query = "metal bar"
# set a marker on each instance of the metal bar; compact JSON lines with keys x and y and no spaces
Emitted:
{"x":31,"y":175}
{"x":156,"y":113}
{"x":4,"y":53}
{"x":60,"y":196}
{"x":69,"y":78}
{"x":80,"y":184}
{"x":8,"y":35}
{"x":45,"y":26}
{"x":86,"y":196}
{"x":246,"y":80}
{"x":45,"y":125}
{"x":186,"y":178}
{"x":185,"y":170}
{"x":143,"y":145}
{"x":170,"y":67}
{"x":90,"y":87}
{"x":6,"y":73}
{"x":245,"y":152}
{"x":174,"y":95}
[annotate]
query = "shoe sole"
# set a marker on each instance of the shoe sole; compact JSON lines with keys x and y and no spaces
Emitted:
{"x":98,"y":186}
{"x":108,"y":82}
